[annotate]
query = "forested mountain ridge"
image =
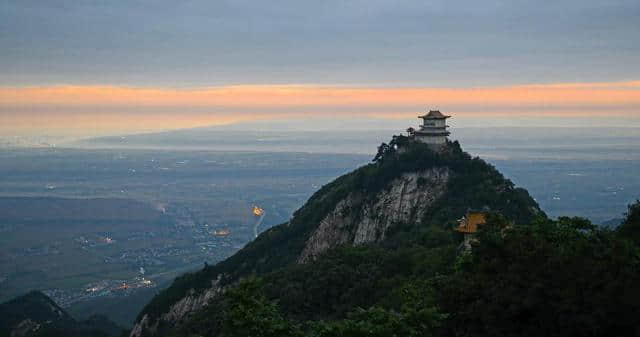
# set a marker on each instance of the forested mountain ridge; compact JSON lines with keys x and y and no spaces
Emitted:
{"x":34,"y":315}
{"x":408,"y":196}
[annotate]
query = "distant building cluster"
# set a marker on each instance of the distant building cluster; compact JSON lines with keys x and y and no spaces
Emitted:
{"x":221,"y":232}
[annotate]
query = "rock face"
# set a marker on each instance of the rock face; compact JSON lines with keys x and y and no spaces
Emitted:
{"x":179,"y":311}
{"x":356,"y":221}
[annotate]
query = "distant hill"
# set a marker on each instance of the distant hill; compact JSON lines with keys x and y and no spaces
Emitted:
{"x":612,"y":223}
{"x":35,"y":314}
{"x":558,"y":143}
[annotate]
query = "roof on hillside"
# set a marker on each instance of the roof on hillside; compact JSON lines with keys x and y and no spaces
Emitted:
{"x":470,"y":223}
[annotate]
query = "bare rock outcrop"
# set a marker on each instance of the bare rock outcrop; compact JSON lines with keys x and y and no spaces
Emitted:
{"x":179,"y":312}
{"x":357,"y":221}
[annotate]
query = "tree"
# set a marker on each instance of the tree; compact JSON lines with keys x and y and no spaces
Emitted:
{"x":630,"y":228}
{"x":551,"y":278}
{"x":382,"y":150}
{"x":379,"y":322}
{"x":248,"y":313}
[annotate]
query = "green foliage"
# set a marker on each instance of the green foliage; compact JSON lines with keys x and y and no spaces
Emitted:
{"x":245,"y":311}
{"x":352,"y":277}
{"x":552,"y":278}
{"x":379,"y":322}
{"x":249,"y":313}
{"x":630,"y":228}
{"x":383,"y":149}
{"x":549,"y":278}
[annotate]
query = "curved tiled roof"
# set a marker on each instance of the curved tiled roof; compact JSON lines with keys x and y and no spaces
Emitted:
{"x":434,"y":114}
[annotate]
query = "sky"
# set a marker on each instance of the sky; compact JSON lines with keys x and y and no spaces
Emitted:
{"x":87,"y":68}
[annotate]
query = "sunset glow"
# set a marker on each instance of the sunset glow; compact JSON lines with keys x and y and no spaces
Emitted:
{"x":104,"y":108}
{"x":564,"y":95}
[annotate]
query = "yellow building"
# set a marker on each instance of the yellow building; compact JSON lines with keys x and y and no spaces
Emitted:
{"x":468,"y":226}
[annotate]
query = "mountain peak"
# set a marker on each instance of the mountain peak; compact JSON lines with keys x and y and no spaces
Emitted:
{"x":408,"y":187}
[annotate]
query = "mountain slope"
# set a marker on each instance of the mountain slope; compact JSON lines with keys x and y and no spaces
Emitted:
{"x":394,"y":201}
{"x":35,"y":314}
{"x":564,"y":277}
{"x":28,"y":311}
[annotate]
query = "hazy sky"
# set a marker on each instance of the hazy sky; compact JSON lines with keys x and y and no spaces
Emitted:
{"x":192,"y":63}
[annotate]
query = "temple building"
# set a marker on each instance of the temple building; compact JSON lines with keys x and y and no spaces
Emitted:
{"x":468,"y":226}
{"x":433,"y":130}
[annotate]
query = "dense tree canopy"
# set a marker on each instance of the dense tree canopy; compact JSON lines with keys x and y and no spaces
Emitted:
{"x":552,"y":278}
{"x":562,"y":277}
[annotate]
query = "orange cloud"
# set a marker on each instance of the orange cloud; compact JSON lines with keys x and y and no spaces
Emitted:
{"x":102,"y":108}
{"x":250,"y":96}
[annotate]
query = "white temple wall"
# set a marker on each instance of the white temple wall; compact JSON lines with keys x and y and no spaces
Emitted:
{"x":432,"y":140}
{"x":439,"y":123}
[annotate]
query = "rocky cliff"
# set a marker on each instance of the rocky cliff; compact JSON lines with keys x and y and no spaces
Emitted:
{"x":179,"y":311}
{"x":356,"y":220}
